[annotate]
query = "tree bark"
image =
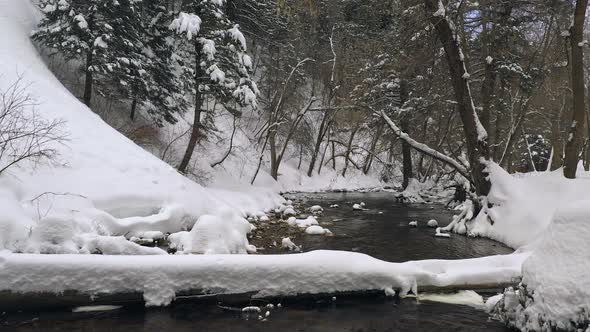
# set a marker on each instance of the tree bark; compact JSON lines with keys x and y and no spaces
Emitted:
{"x":133,"y":109}
{"x":475,"y":134}
{"x":88,"y":79}
{"x":372,"y":149}
{"x":318,"y":143}
{"x":406,"y":155}
{"x":196,"y":130}
{"x":349,"y":150}
{"x":576,"y":131}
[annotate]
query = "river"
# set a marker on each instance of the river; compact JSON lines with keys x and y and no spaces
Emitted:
{"x":381,"y":231}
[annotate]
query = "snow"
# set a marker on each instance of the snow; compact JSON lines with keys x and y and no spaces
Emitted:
{"x":358,"y":207}
{"x":186,"y":23}
{"x":465,"y":297}
{"x":432,"y":223}
{"x":287,"y":243}
{"x":160,"y":278}
{"x":214,"y":235}
{"x":524,"y":204}
{"x":555,"y":289}
{"x":102,"y":186}
{"x":289,"y":212}
{"x":96,"y":308}
{"x":303,"y":223}
{"x":237,"y":35}
{"x":441,"y":12}
{"x":316,"y":209}
{"x":413,"y":223}
{"x":317,"y":230}
{"x":489,"y":60}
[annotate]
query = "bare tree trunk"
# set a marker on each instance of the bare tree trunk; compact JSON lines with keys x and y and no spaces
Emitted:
{"x":576,"y":131}
{"x":556,"y":143}
{"x":372,"y":149}
{"x":318,"y":143}
{"x":349,"y":150}
{"x":324,"y":155}
{"x":196,"y":130}
{"x":88,"y":80}
{"x":475,"y":134}
{"x":274,"y":165}
{"x":333,"y":155}
{"x":300,"y":156}
{"x":406,"y":155}
{"x":133,"y":109}
{"x":231,"y":145}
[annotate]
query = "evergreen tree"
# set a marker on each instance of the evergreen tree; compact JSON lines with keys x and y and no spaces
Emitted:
{"x":216,"y":49}
{"x":77,"y":29}
{"x":164,"y":95}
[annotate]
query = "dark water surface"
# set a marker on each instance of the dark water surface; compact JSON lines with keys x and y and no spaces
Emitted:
{"x":382,"y":230}
{"x":383,"y":235}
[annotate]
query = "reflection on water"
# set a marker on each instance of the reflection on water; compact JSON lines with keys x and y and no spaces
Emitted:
{"x":340,"y":315}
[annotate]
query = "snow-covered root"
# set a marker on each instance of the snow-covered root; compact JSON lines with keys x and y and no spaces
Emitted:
{"x":318,"y":272}
{"x":459,"y":223}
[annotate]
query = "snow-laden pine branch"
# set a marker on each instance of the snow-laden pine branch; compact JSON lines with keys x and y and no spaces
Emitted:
{"x":423,"y":148}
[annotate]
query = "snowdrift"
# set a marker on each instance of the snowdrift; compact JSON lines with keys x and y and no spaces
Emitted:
{"x":523,"y":204}
{"x":555,"y":290}
{"x":101,"y":183}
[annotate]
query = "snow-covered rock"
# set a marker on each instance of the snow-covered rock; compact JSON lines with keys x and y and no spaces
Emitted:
{"x":287,"y":243}
{"x":358,"y":207}
{"x":334,"y":206}
{"x":289,"y":212}
{"x":413,"y":223}
{"x":304,"y":223}
{"x":316,"y":209}
{"x":317,"y":230}
{"x":432,"y":223}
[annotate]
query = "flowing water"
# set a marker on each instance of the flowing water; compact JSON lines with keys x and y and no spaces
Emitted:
{"x":381,"y":231}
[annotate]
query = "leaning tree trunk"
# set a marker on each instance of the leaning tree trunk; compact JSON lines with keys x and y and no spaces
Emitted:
{"x":318,"y":143}
{"x":576,"y":131}
{"x":475,"y":135}
{"x":349,"y":150}
{"x":196,"y":130}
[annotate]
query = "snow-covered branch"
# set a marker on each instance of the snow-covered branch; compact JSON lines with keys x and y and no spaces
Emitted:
{"x":423,"y":148}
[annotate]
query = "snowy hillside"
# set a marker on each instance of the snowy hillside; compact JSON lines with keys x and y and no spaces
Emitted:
{"x":98,"y":173}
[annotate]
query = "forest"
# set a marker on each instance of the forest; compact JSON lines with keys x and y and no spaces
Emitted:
{"x":302,"y":134}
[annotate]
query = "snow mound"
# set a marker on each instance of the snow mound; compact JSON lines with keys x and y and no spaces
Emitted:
{"x":214,"y":235}
{"x":523,"y":204}
{"x":555,"y":289}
